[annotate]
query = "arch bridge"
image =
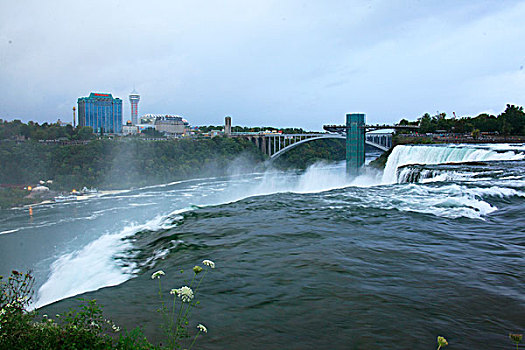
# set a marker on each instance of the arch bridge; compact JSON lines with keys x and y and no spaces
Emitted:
{"x":274,"y":144}
{"x":356,"y":133}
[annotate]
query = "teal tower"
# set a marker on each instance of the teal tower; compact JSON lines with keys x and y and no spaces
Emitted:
{"x":355,"y":143}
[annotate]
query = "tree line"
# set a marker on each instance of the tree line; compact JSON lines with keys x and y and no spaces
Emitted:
{"x":16,"y":129}
{"x":510,"y":122}
{"x":122,"y":163}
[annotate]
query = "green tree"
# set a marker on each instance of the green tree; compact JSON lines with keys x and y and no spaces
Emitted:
{"x":85,"y":133}
{"x":425,"y":124}
{"x":513,"y":119}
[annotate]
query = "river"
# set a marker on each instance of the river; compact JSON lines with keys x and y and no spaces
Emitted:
{"x":305,"y":260}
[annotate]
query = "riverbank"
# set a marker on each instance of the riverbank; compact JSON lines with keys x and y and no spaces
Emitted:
{"x":134,"y":163}
{"x":116,"y":164}
{"x":15,"y":197}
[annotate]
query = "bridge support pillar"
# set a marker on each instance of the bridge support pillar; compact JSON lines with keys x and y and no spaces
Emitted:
{"x":263,"y":147}
{"x":355,"y":143}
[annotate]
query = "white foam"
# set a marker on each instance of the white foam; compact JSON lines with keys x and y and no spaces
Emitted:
{"x":439,"y":154}
{"x":95,"y":265}
{"x":450,"y":201}
{"x":9,"y":231}
{"x":496,"y":191}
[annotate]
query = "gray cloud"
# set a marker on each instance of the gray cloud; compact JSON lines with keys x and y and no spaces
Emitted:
{"x":264,"y":62}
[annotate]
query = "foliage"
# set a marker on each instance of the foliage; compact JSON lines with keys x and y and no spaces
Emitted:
{"x":208,"y":128}
{"x":509,"y":122}
{"x":380,"y":162}
{"x":441,"y":342}
{"x":81,"y":328}
{"x":516,"y":338}
{"x":402,"y":139}
{"x":176,"y":323}
{"x":17,"y":130}
{"x":15,"y":296}
{"x":85,"y":327}
{"x":10,"y":197}
{"x":309,"y":153}
{"x":120,"y":163}
{"x":17,"y":291}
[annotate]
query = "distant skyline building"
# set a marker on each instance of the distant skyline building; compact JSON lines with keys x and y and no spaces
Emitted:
{"x":171,"y":125}
{"x":227,"y":125}
{"x":134,"y":99}
{"x":100,"y":111}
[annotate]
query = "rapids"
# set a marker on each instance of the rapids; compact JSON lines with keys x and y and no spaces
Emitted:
{"x":435,"y":244}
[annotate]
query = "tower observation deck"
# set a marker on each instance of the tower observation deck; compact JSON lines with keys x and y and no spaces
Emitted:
{"x":134,"y":99}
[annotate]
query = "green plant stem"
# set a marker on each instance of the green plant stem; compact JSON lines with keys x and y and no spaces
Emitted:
{"x":163,"y":308}
{"x":172,"y":318}
{"x":194,"y":339}
{"x":186,"y":313}
{"x":193,"y":279}
{"x":177,"y":325}
{"x":197,"y":288}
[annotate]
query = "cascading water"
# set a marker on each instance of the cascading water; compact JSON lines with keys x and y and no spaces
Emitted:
{"x":440,"y":154}
{"x":384,"y":245}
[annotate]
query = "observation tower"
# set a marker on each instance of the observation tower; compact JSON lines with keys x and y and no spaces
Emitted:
{"x":134,"y":99}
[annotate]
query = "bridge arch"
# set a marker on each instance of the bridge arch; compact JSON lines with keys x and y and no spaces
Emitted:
{"x":320,"y":137}
{"x":295,"y":144}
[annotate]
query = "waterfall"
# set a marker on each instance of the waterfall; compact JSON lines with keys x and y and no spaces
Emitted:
{"x":440,"y":154}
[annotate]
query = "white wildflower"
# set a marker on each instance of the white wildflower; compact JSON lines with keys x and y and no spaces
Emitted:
{"x":201,"y":328}
{"x":157,"y":274}
{"x":115,"y":328}
{"x":185,"y":293}
{"x":2,"y":312}
{"x":209,"y":263}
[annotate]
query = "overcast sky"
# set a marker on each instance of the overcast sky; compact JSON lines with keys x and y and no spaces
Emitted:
{"x":280,"y":63}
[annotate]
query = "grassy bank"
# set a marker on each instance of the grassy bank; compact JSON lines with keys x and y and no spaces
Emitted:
{"x":13,"y":197}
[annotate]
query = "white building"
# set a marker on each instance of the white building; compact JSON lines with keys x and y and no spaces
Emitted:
{"x":130,"y":129}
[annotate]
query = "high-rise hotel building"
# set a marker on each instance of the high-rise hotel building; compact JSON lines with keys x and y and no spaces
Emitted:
{"x":100,"y":111}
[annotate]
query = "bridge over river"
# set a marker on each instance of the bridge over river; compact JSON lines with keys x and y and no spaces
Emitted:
{"x":355,"y":132}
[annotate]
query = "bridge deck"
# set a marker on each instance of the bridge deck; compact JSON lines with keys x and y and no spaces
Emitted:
{"x":343,"y":128}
